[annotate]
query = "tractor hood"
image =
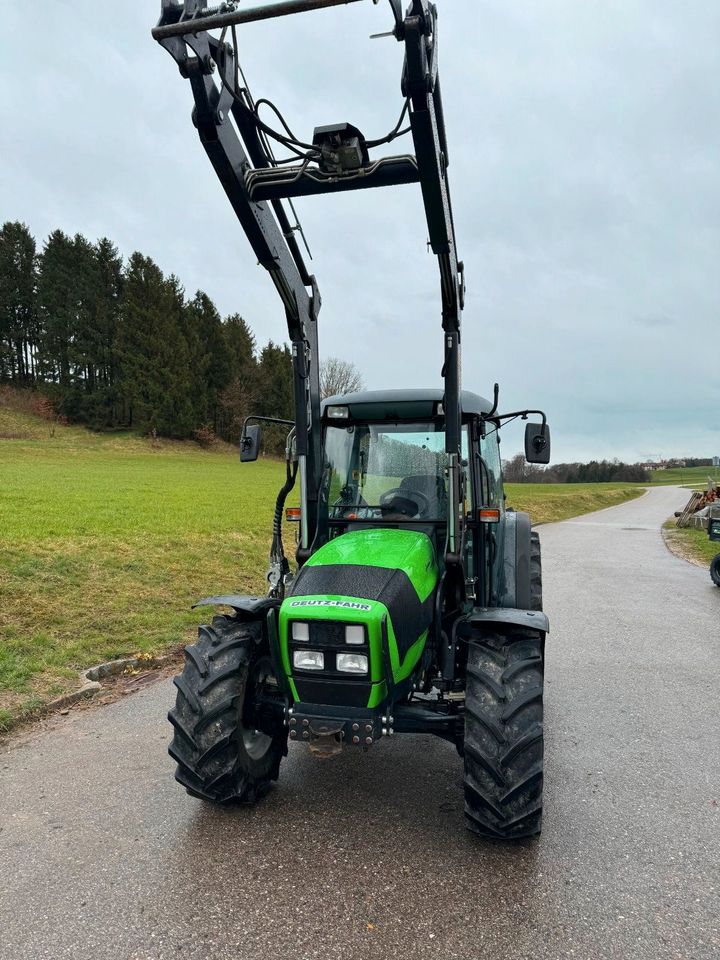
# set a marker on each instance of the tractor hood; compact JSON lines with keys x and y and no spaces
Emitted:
{"x":382,"y":553}
{"x":382,"y":579}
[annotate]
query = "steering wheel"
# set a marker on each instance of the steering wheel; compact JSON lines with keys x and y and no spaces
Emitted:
{"x":421,"y":501}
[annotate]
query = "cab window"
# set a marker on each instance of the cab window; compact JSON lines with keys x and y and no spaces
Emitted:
{"x":491,"y":470}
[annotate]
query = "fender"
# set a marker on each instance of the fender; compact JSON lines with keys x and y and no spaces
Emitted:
{"x":503,"y":616}
{"x":515,"y":572}
{"x":254,"y":608}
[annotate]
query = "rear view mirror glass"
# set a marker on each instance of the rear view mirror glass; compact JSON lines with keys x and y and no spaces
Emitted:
{"x":250,"y":444}
{"x":537,"y":443}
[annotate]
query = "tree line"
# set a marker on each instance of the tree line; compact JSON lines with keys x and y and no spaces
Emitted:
{"x":518,"y":470}
{"x":120,"y":346}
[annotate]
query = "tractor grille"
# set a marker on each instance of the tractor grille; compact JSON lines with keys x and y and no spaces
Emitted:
{"x":327,"y":633}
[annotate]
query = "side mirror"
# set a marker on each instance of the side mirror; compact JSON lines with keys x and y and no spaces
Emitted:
{"x":250,"y":444}
{"x":537,"y":443}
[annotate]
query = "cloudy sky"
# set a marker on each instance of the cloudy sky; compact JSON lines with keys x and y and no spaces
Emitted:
{"x":585,"y":159}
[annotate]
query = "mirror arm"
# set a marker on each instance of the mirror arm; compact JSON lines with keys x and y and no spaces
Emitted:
{"x":523,"y":414}
{"x":246,"y":421}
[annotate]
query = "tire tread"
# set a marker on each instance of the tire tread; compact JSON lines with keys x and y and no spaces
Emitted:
{"x":207,"y":745}
{"x":504,"y":735}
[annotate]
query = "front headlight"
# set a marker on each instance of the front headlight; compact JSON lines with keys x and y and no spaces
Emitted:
{"x":352,"y":663}
{"x":355,"y":634}
{"x":309,"y":660}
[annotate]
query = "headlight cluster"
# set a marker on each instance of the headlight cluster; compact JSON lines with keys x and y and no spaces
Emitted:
{"x":354,"y":663}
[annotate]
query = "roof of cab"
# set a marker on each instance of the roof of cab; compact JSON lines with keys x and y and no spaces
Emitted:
{"x":403,"y":403}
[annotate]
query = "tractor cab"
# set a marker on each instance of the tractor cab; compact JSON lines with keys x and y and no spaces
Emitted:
{"x":386,"y":466}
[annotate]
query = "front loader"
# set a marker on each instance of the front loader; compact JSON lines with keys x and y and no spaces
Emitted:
{"x":416,"y":603}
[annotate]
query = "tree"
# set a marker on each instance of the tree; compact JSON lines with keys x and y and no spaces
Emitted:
{"x":238,"y":400}
{"x":240,"y":346}
{"x":338,"y":377}
{"x":101,"y":408}
{"x":514,"y":471}
{"x":217,"y":370}
{"x":154,"y":360}
{"x":57,"y":284}
{"x":275,"y":392}
{"x":18,"y":313}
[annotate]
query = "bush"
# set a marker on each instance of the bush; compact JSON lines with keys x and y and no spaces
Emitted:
{"x":205,"y":436}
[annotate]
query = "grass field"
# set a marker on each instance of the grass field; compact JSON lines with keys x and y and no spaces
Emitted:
{"x":550,"y":502}
{"x":685,"y":476}
{"x":106,"y":541}
{"x":693,"y":545}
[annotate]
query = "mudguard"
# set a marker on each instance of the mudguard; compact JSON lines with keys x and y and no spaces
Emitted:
{"x":253,"y":607}
{"x":503,"y":616}
{"x":514,"y":574}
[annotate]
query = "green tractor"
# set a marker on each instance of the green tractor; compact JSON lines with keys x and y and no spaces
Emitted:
{"x":416,"y":602}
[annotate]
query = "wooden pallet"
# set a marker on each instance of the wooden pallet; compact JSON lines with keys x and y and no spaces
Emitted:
{"x":684,"y":518}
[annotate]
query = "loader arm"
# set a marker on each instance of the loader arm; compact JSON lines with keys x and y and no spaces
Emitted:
{"x":337,"y":160}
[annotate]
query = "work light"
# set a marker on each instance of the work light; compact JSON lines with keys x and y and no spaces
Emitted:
{"x":352,"y":663}
{"x":301,"y":631}
{"x":309,"y":660}
{"x":338,"y":413}
{"x":355,"y":634}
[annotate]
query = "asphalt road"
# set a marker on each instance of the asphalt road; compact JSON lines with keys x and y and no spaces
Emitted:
{"x":102,"y":855}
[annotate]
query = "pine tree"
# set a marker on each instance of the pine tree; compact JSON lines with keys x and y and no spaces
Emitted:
{"x":238,"y":400}
{"x":275,"y":371}
{"x":276,"y":394}
{"x":154,"y":360}
{"x":240,"y":346}
{"x":18,"y":306}
{"x":56,"y":284}
{"x":204,"y":317}
{"x":82,"y":296}
{"x":106,"y":309}
{"x":139,"y":327}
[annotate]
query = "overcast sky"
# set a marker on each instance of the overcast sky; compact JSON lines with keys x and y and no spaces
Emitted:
{"x":585,"y":152}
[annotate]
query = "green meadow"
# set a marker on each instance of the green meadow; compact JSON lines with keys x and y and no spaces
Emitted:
{"x":106,"y":541}
{"x":685,"y":476}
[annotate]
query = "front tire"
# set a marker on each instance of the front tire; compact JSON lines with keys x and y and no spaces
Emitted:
{"x":504,"y":735}
{"x":715,"y":570}
{"x":220,"y":755}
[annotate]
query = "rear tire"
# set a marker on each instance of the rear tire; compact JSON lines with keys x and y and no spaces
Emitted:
{"x":536,"y":600}
{"x":504,"y":735}
{"x":715,"y":570}
{"x":220,"y":756}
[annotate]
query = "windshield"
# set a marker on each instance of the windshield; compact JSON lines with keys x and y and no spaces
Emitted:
{"x":387,"y":471}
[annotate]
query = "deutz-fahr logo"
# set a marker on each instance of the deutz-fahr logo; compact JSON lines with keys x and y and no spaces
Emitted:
{"x":345,"y":604}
